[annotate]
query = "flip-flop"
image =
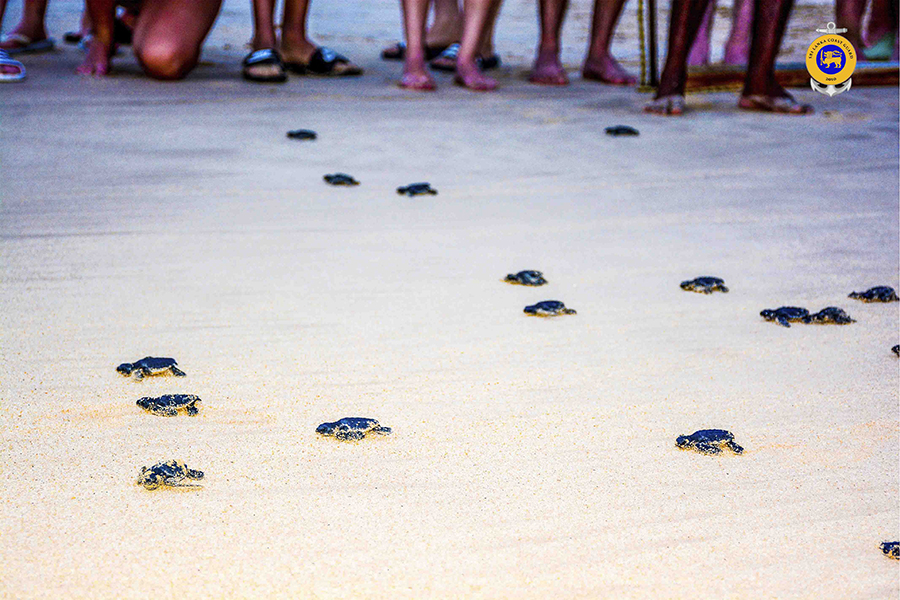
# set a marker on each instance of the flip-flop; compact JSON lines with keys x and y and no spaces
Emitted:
{"x":449,"y":55}
{"x":325,"y":61}
{"x":265,"y":57}
{"x":783,"y":105}
{"x":22,"y":44}
{"x":486,"y":64}
{"x":672,"y":105}
{"x":882,"y":49}
{"x":6,"y":61}
{"x":398,"y":52}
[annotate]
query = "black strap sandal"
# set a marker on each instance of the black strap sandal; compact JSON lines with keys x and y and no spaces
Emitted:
{"x":268,"y":58}
{"x":325,"y":61}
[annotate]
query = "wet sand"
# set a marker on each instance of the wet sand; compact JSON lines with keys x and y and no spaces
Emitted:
{"x":530,"y":457}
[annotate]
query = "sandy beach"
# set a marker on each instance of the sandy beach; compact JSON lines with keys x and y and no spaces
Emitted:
{"x":531,"y":458}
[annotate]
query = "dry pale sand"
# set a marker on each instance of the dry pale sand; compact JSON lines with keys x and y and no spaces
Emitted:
{"x":531,"y":458}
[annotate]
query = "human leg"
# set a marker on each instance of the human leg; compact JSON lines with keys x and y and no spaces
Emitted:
{"x":700,"y":49}
{"x":476,"y":17}
{"x":169,"y":34}
{"x":761,"y":90}
{"x":263,"y":64}
{"x":547,"y":68}
{"x":849,"y":14}
{"x":415,"y":72}
{"x":737,"y":48}
{"x":686,"y":16}
{"x":30,"y":30}
{"x":599,"y":65}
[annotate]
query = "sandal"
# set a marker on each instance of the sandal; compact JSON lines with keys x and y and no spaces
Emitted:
{"x":7,"y":62}
{"x":398,"y":52}
{"x":446,"y":61}
{"x":17,"y":43}
{"x":272,"y":67}
{"x":775,"y":104}
{"x":325,"y":61}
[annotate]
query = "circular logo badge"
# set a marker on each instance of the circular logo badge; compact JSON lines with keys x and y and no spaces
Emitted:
{"x":831,"y":59}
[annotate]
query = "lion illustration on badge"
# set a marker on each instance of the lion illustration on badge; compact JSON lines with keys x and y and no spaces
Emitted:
{"x":830,"y":61}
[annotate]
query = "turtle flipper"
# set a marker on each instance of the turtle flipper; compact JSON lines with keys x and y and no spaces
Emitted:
{"x":164,"y":411}
{"x":723,"y":289}
{"x":138,"y":374}
{"x":177,"y":372}
{"x":735,"y":448}
{"x":706,"y":448}
{"x":382,"y":430}
{"x":783,"y":321}
{"x":192,"y":411}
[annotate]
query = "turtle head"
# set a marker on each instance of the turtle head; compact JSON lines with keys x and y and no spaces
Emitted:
{"x":326,"y":428}
{"x":125,"y":368}
{"x":144,"y":403}
{"x":768,"y":314}
{"x":149,"y":478}
{"x":682,"y":441}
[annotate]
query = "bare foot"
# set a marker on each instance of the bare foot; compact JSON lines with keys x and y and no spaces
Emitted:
{"x":785,"y":104}
{"x":547,"y":70}
{"x":607,"y":70}
{"x":468,"y":75}
{"x":419,"y":81}
{"x":96,"y":62}
{"x":666,"y":105}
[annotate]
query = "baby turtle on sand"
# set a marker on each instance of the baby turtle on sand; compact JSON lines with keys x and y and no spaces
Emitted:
{"x":784,"y":315}
{"x":832,"y":314}
{"x":709,"y":441}
{"x":170,"y":473}
{"x":881,"y":293}
{"x":170,"y":405}
{"x":417,"y":189}
{"x":705,"y":285}
{"x":340,"y":179}
{"x":149,"y":365}
{"x":896,"y":349}
{"x":302,"y":134}
{"x":549,"y":308}
{"x":891,"y":549}
{"x":621,"y":130}
{"x":352,"y":428}
{"x":534,"y":278}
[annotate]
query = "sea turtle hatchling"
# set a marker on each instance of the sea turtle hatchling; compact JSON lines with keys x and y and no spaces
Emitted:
{"x":417,"y":189}
{"x":709,"y":441}
{"x":785,"y":315}
{"x":896,"y":349}
{"x":532,"y":278}
{"x":881,"y":293}
{"x":831,"y":314}
{"x":705,"y":285}
{"x":340,"y":179}
{"x":352,"y":428}
{"x":549,"y":308}
{"x":891,"y":549}
{"x":302,"y":134}
{"x":618,"y":130}
{"x":169,"y":405}
{"x":170,"y":473}
{"x":149,"y":366}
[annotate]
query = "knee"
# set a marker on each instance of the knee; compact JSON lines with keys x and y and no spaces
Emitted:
{"x":165,"y":59}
